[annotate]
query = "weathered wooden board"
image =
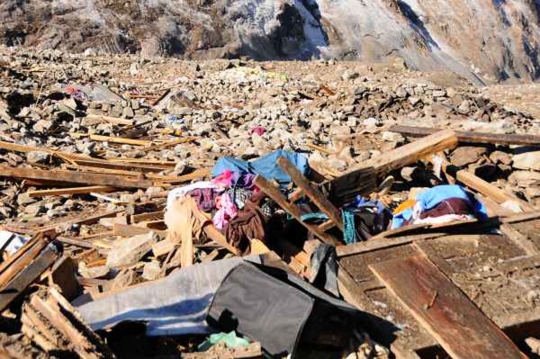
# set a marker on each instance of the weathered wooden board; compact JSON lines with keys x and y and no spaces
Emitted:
{"x":457,"y":324}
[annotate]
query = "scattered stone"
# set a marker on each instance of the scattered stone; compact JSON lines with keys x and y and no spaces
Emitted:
{"x":465,"y":155}
{"x":40,"y":157}
{"x":130,"y":251}
{"x":414,"y":100}
{"x":93,"y":272}
{"x":151,"y":270}
{"x":501,"y":157}
{"x":527,"y":161}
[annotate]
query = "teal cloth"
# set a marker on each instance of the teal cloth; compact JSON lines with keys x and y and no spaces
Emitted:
{"x":230,"y":340}
{"x":349,"y":228}
{"x":314,"y":217}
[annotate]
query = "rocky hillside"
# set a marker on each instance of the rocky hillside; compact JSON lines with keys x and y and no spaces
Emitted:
{"x":484,"y":40}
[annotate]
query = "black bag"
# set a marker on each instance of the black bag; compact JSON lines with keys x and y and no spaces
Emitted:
{"x":280,"y":310}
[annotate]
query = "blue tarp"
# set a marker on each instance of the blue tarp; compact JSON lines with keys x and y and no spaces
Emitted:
{"x":265,"y":166}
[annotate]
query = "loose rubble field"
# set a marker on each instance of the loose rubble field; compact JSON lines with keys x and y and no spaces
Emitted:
{"x":91,"y":147}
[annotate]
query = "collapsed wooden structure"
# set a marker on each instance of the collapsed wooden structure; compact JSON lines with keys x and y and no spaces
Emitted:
{"x":412,"y":292}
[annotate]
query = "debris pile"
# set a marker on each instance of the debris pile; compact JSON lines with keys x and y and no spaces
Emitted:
{"x":222,"y":204}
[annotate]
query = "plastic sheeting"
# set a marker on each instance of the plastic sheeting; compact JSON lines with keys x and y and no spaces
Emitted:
{"x":175,"y":305}
{"x":265,"y":166}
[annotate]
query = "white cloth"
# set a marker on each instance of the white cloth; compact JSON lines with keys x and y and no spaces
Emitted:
{"x":447,"y":218}
{"x":15,"y":244}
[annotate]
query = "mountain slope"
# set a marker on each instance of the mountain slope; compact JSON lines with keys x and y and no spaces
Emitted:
{"x":484,"y":40}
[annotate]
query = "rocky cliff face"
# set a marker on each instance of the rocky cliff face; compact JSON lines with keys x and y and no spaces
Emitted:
{"x":484,"y":40}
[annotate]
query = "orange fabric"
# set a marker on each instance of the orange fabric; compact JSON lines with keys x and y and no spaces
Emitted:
{"x":403,"y":206}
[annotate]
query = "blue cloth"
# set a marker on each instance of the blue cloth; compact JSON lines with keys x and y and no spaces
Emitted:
{"x":433,"y":196}
{"x":360,"y":202}
{"x":265,"y":166}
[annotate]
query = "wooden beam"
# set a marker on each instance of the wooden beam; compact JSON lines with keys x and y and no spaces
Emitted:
{"x":487,"y":189}
{"x":113,"y":120}
{"x":443,"y":310}
{"x":274,"y":193}
{"x":410,"y":153}
{"x":26,"y":276}
{"x":120,"y":140}
{"x":313,"y":194}
{"x":381,"y":330}
{"x":123,"y":163}
{"x":91,"y":219}
{"x":75,"y":177}
{"x":22,"y":258}
{"x":345,"y":188}
{"x":471,"y":137}
{"x":69,"y":191}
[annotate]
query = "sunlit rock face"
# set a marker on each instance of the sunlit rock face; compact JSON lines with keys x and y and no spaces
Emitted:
{"x":484,"y":40}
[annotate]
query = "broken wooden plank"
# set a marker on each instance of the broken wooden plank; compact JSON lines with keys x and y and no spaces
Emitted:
{"x":455,"y":322}
{"x":313,"y":194}
{"x":521,"y":241}
{"x":197,"y":174}
{"x":274,"y":193}
{"x":148,"y":216}
{"x":69,"y":191}
{"x":378,"y":327}
{"x":22,"y":258}
{"x":26,"y":276}
{"x":90,"y":161}
{"x":75,"y":177}
{"x":120,"y":140}
{"x":76,"y":336}
{"x":345,"y":188}
{"x":91,"y":219}
{"x":113,"y":120}
{"x":471,"y":137}
{"x":410,"y":153}
{"x":421,"y":232}
{"x":62,"y":274}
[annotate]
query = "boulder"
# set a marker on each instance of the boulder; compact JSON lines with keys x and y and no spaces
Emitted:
{"x":527,"y":161}
{"x":131,"y":250}
{"x":465,"y":155}
{"x":501,"y":157}
{"x":524,"y":178}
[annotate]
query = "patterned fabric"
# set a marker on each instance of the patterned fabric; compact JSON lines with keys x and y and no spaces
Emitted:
{"x":241,"y":195}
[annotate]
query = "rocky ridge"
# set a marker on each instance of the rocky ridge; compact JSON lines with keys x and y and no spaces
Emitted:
{"x":486,"y":41}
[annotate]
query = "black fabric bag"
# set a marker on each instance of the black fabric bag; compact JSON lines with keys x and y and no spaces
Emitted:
{"x":280,"y":310}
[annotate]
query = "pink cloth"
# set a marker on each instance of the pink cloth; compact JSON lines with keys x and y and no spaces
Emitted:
{"x":226,"y":211}
{"x":259,"y":130}
{"x":225,"y":178}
